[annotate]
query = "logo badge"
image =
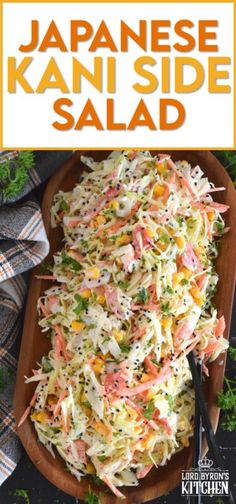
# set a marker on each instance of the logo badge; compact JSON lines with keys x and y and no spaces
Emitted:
{"x":205,"y":480}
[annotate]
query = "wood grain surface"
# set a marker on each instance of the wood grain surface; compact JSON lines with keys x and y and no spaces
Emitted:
{"x":34,"y":344}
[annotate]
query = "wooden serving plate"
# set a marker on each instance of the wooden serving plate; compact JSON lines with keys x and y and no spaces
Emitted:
{"x":34,"y":344}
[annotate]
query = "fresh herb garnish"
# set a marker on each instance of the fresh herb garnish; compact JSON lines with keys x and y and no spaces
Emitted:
{"x":124,"y":347}
{"x":70,"y":262}
{"x":84,"y":244}
{"x":92,"y":326}
{"x":184,"y":281}
{"x":46,"y":267}
{"x":101,"y":458}
{"x":165,"y":307}
{"x":106,"y":339}
{"x":156,"y":362}
{"x":228,"y":158}
{"x":232,"y":352}
{"x":64,"y":206}
{"x":168,"y":290}
{"x":149,"y":410}
{"x":227,"y":401}
{"x":229,"y":422}
{"x":14,"y":173}
{"x":46,"y":364}
{"x":123,"y":284}
{"x":92,"y":498}
{"x":180,"y":221}
{"x":170,"y":400}
{"x":20,"y":492}
{"x":164,"y":238}
{"x":108,"y":213}
{"x":143,"y":295}
{"x":96,"y":479}
{"x":219,"y":227}
{"x":82,"y":304}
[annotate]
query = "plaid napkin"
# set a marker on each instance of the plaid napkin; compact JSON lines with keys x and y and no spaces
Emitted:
{"x":23,"y":244}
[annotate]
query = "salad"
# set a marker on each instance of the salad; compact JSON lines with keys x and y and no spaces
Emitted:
{"x":130,"y":298}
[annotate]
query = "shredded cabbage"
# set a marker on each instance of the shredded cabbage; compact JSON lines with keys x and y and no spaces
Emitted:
{"x":131,"y":296}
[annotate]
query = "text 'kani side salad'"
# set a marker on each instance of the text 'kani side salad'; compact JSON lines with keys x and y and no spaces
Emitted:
{"x":130,"y":297}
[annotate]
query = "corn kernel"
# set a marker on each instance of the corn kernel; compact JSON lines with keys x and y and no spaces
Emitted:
{"x":105,"y":356}
{"x":197,"y":296}
{"x":180,"y":241}
{"x":77,"y":326}
{"x":161,"y":167}
{"x":166,"y":322}
{"x":119,"y":335}
{"x":123,"y":240}
{"x":170,"y":230}
{"x":187,"y":273}
{"x":86,"y":293}
{"x":147,"y":442}
{"x":98,"y":365}
{"x":114,"y":204}
{"x":150,"y":395}
{"x":195,"y":291}
{"x":138,"y":429}
{"x":200,"y":251}
{"x":92,"y":273}
{"x":101,"y":299}
{"x":101,"y":429}
{"x":40,"y":417}
{"x":211,"y":216}
{"x":150,"y":232}
{"x":100,"y":219}
{"x":161,"y":245}
{"x":98,"y":369}
{"x":51,"y":399}
{"x":177,"y":277}
{"x":199,"y":301}
{"x":145,"y":377}
{"x":158,"y":190}
{"x":90,"y":468}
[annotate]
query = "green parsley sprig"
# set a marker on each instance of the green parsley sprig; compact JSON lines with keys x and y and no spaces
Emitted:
{"x":20,"y":492}
{"x":143,"y":295}
{"x":149,"y":410}
{"x":232,"y":352}
{"x":82,"y":304}
{"x":14,"y":173}
{"x":92,"y":498}
{"x":227,"y":399}
{"x":70,"y":262}
{"x":228,"y":159}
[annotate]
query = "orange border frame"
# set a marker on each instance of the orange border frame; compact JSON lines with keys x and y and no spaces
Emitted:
{"x":113,"y":1}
